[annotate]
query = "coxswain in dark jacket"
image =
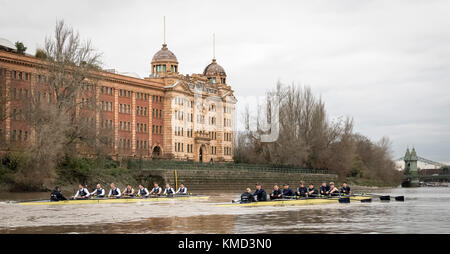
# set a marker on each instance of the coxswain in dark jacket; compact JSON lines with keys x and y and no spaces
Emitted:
{"x":247,"y":196}
{"x":312,"y":192}
{"x":260,"y":193}
{"x":345,"y":189}
{"x":324,"y":189}
{"x":276,"y":192}
{"x":56,"y":195}
{"x":287,"y":192}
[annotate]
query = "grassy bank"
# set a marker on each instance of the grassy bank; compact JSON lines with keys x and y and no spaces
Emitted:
{"x":72,"y":171}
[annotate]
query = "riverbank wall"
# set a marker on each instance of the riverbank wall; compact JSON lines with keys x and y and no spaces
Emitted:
{"x":225,"y":179}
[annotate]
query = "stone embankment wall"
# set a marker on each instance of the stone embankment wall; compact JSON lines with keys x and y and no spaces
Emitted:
{"x":237,"y":179}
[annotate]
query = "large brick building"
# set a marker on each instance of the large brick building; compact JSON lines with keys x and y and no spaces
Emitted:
{"x":164,"y":115}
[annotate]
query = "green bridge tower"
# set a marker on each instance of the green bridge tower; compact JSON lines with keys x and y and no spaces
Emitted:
{"x":411,"y":172}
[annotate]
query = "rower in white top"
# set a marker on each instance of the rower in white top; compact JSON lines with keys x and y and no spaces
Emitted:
{"x":82,"y":193}
{"x":168,"y":190}
{"x":156,"y":189}
{"x":128,"y":192}
{"x":142,"y":192}
{"x":114,"y":192}
{"x":99,"y":192}
{"x":182,"y":190}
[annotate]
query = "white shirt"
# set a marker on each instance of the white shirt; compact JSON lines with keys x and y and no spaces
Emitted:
{"x":158,"y":189}
{"x":85,"y":191}
{"x":145,"y":191}
{"x":101,"y":194}
{"x":118,"y":191}
{"x":179,"y":191}
{"x":167,"y":190}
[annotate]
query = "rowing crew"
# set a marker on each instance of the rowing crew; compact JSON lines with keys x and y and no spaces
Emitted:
{"x":325,"y":190}
{"x":114,"y":192}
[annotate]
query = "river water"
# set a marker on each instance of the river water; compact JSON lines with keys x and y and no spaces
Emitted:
{"x":425,"y":210}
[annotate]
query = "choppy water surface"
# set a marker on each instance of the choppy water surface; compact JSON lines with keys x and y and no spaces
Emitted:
{"x":426,"y":210}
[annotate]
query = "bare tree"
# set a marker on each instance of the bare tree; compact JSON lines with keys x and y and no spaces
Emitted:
{"x":62,"y":110}
{"x":309,"y":139}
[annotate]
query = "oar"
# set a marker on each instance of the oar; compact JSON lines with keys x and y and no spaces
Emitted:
{"x":400,"y":198}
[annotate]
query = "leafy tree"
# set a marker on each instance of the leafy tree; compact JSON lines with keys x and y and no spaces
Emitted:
{"x":20,"y":48}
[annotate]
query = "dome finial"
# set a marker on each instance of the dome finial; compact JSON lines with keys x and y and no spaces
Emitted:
{"x":164,"y":22}
{"x":214,"y":47}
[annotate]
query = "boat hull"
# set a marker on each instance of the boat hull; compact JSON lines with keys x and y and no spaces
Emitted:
{"x":112,"y":200}
{"x":293,"y":202}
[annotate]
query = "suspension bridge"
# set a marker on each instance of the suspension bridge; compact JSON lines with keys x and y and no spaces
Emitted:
{"x":414,"y":176}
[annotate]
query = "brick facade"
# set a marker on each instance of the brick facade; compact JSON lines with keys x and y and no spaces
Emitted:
{"x":165,"y":115}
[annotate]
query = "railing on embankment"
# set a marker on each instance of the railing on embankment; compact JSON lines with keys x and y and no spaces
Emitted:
{"x":229,"y":176}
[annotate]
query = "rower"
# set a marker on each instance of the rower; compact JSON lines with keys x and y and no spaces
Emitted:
{"x":345,"y":189}
{"x":114,"y":191}
{"x":247,"y":196}
{"x":56,"y":195}
{"x":182,"y":190}
{"x":287,"y":192}
{"x":312,"y":192}
{"x":260,"y":193}
{"x":82,"y":193}
{"x":276,"y":192}
{"x":142,"y":192}
{"x":99,"y":192}
{"x":302,"y":190}
{"x":168,"y":190}
{"x":333,"y":190}
{"x":156,"y":190}
{"x":128,"y":192}
{"x":324,"y":189}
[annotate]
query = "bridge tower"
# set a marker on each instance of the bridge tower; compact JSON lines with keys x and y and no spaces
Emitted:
{"x":411,"y":170}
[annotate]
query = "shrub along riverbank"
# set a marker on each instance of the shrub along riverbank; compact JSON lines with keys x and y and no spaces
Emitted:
{"x":68,"y":174}
{"x":15,"y":174}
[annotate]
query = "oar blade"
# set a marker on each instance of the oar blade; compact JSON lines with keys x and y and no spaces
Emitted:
{"x":368,"y":200}
{"x":400,"y":198}
{"x":344,"y":200}
{"x":385,"y":198}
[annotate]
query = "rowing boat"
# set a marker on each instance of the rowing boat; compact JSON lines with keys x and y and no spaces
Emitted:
{"x":111,"y":200}
{"x":304,"y":201}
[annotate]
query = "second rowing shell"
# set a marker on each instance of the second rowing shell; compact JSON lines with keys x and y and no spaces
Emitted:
{"x":286,"y":202}
{"x":108,"y":201}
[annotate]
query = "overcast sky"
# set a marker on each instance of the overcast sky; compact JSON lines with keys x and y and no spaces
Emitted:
{"x":384,"y":63}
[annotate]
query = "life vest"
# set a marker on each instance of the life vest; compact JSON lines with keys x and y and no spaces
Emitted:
{"x":142,"y":192}
{"x":156,"y":190}
{"x":181,"y":190}
{"x":99,"y":192}
{"x":114,"y":192}
{"x":82,"y":192}
{"x":169,"y":191}
{"x":127,"y":191}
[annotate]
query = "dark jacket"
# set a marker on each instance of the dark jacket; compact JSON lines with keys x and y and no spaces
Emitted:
{"x":301,"y":191}
{"x":260,"y":195}
{"x":56,"y":196}
{"x":324,"y":190}
{"x":288,"y":193}
{"x":315,"y":193}
{"x":275,"y":194}
{"x":247,"y":197}
{"x":345,"y":190}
